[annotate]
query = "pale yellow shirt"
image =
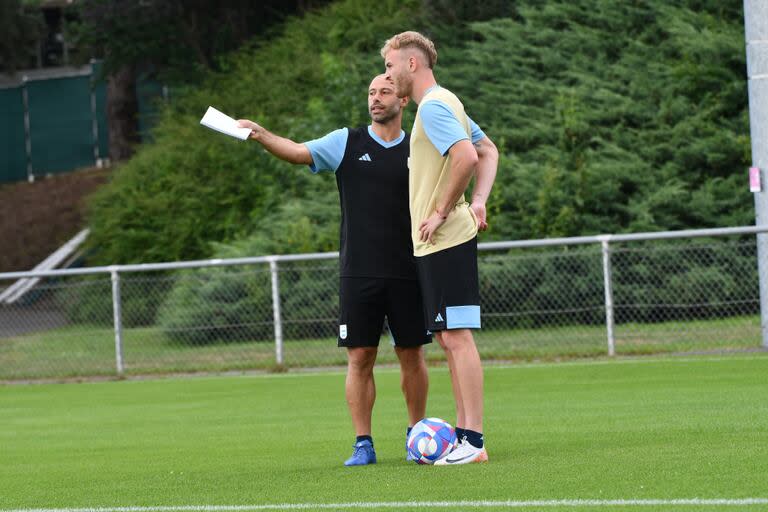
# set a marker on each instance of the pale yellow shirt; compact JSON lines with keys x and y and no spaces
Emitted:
{"x":428,"y":177}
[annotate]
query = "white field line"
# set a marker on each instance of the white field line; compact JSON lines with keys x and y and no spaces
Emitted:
{"x":418,"y":504}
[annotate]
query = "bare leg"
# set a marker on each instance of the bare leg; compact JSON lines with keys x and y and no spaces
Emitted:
{"x":414,"y":381}
{"x":360,"y":387}
{"x":466,"y":376}
{"x":460,"y":416}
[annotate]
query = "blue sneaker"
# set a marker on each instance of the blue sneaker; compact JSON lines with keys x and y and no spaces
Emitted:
{"x":363,"y":454}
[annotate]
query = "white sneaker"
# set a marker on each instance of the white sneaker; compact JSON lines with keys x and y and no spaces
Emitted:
{"x":464,"y":453}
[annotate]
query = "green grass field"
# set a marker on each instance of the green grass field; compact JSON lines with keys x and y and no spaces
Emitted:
{"x":644,"y":429}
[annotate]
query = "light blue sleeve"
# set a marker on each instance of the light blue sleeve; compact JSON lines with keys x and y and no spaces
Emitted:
{"x":441,"y":126}
{"x":477,"y":132}
{"x":328,"y":151}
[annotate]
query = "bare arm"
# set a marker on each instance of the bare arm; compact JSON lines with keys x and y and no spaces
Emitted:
{"x":282,"y":148}
{"x":485,"y":175}
{"x":464,"y":159}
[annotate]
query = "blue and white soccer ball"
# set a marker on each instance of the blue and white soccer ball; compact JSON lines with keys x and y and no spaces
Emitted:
{"x":430,"y":440}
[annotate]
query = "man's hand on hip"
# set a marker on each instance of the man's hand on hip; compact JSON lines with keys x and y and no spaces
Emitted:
{"x":479,"y":210}
{"x":429,"y":226}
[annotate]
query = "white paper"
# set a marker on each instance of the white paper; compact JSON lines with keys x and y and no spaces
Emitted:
{"x":220,"y":122}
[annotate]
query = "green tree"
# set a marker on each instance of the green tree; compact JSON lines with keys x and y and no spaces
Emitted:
{"x":20,"y":29}
{"x":177,"y":40}
{"x":618,"y":116}
{"x":193,"y":187}
{"x":610,"y":117}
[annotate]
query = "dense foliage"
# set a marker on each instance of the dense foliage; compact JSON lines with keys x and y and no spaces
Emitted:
{"x":20,"y":28}
{"x":178,"y":39}
{"x":610,"y":116}
{"x":193,"y":186}
{"x":613,"y":116}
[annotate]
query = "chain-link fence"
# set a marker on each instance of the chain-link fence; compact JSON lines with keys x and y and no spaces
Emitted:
{"x":548,"y":299}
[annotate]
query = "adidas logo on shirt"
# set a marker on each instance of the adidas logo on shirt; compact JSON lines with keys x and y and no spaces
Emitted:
{"x":365,"y":158}
{"x":439,"y":318}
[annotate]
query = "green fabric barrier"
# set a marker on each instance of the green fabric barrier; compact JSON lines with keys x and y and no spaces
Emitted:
{"x":61,"y":127}
{"x":13,"y":151}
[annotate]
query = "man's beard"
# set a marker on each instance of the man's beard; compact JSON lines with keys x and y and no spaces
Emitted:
{"x":403,"y":86}
{"x":385,"y":116}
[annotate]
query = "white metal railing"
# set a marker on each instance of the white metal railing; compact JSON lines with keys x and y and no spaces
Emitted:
{"x":22,"y":286}
{"x":605,"y":241}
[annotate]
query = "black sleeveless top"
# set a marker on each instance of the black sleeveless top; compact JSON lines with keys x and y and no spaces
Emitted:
{"x":375,"y":217}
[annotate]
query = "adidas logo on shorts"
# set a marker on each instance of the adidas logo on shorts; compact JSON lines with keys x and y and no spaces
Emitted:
{"x":439,"y":318}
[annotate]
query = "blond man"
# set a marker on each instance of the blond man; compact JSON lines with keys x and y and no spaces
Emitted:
{"x":444,"y":226}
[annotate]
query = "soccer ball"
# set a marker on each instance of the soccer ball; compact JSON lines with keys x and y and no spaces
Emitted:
{"x":430,"y":440}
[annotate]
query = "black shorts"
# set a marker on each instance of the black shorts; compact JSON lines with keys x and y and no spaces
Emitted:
{"x":365,"y":301}
{"x":450,"y":287}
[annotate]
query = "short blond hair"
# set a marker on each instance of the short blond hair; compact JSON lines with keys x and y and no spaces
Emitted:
{"x":411,"y":39}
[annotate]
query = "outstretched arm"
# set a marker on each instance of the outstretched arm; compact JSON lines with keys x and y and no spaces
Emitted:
{"x":282,"y":148}
{"x":485,"y":175}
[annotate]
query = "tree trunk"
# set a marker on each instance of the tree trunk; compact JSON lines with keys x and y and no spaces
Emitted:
{"x":122,"y":113}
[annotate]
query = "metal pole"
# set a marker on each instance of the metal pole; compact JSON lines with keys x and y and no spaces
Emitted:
{"x":756,"y":35}
{"x":27,"y":129}
{"x":276,"y":311}
{"x":117,"y":309}
{"x":608,"y":286}
{"x":94,"y":121}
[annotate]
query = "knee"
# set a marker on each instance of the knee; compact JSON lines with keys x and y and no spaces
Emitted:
{"x":453,"y":340}
{"x":361,"y":360}
{"x":411,"y":358}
